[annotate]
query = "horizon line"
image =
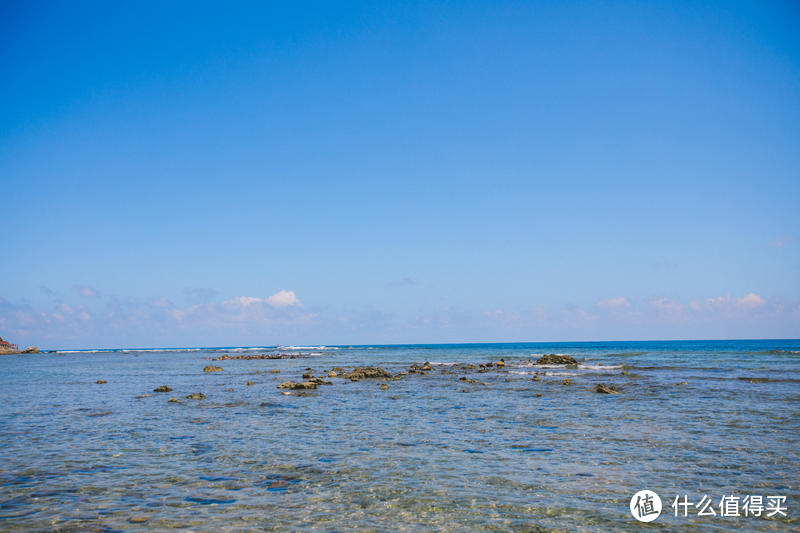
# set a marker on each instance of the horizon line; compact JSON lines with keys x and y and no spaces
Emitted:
{"x":318,"y":345}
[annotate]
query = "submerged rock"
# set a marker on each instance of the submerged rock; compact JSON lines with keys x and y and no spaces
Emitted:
{"x":249,"y":383}
{"x":173,"y":400}
{"x":501,"y":362}
{"x":367,"y":372}
{"x":566,"y":381}
{"x":384,"y":386}
{"x":163,"y":388}
{"x":332,"y":374}
{"x":303,"y":385}
{"x":212,"y":368}
{"x":101,"y":381}
{"x":138,"y":519}
{"x":426,"y":366}
{"x":196,"y":396}
{"x":556,"y":359}
{"x":274,"y":371}
{"x":606,"y":389}
{"x":754,"y":380}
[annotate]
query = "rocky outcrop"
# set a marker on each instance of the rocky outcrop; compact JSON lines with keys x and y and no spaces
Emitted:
{"x":163,"y":388}
{"x":196,"y":396}
{"x":211,"y":368}
{"x":303,"y":385}
{"x":30,"y":349}
{"x":367,"y":372}
{"x":556,"y":359}
{"x":606,"y":389}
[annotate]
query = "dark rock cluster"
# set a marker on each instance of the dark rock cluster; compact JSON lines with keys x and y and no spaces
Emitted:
{"x":556,"y":359}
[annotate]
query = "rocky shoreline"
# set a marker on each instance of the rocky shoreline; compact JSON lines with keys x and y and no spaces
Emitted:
{"x":9,"y":351}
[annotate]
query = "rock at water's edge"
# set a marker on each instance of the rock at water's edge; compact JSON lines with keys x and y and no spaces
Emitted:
{"x":297,"y":386}
{"x":367,"y":372}
{"x":556,"y":359}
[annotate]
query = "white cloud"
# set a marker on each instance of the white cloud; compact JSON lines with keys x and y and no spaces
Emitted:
{"x":242,"y":301}
{"x":614,"y":303}
{"x":710,"y":304}
{"x":730,"y":306}
{"x":751,"y":301}
{"x":283,"y":298}
{"x":719,"y":301}
{"x":85,"y":291}
{"x":159,"y":302}
{"x":667,"y":307}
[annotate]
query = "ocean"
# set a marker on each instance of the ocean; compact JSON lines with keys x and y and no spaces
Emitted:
{"x":460,"y":447}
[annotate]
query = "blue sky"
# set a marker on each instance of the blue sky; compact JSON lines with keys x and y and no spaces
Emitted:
{"x":245,"y":173}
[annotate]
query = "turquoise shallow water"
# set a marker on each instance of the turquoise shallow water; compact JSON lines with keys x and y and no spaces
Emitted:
{"x":430,"y":453}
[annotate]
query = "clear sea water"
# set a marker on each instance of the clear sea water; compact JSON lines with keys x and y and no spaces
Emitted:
{"x":430,"y":453}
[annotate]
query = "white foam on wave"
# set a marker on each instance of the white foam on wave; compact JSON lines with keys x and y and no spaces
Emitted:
{"x":307,"y":348}
{"x":153,"y":350}
{"x":529,"y":373}
{"x":581,"y":366}
{"x":600,"y":367}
